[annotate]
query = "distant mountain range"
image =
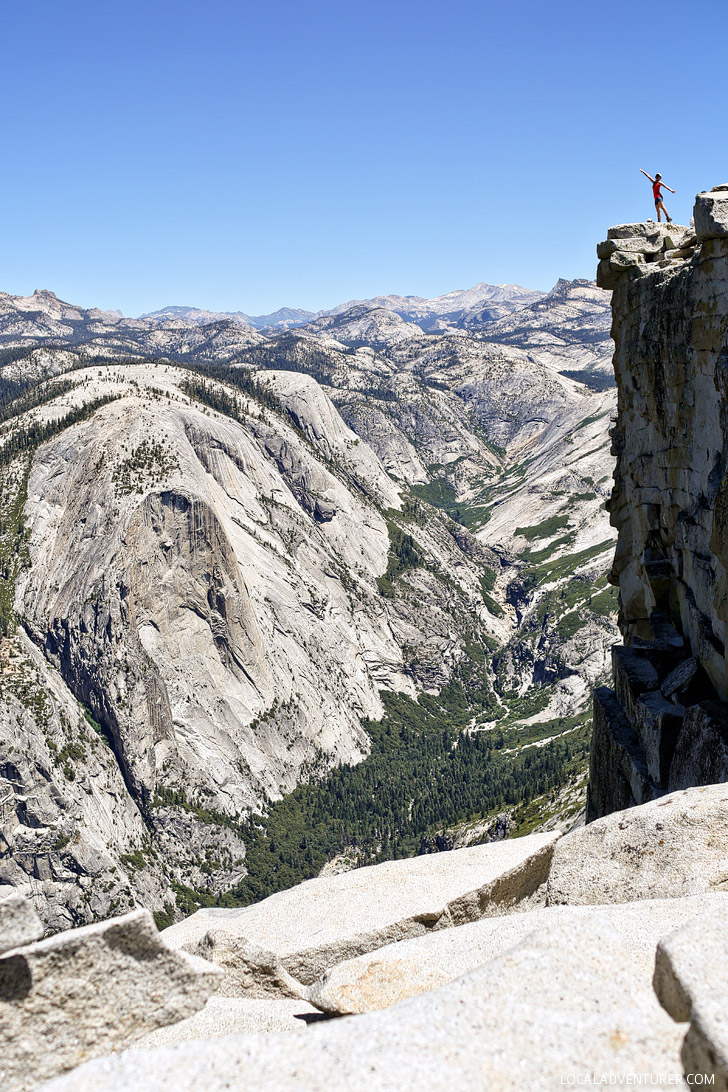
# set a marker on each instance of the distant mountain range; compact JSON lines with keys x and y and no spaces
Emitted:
{"x":484,"y":303}
{"x":567,"y":328}
{"x":282,"y":319}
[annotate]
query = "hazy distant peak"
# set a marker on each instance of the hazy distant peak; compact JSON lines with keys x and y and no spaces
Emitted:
{"x":446,"y":312}
{"x":283,"y":318}
{"x":452,"y":309}
{"x":196,"y":316}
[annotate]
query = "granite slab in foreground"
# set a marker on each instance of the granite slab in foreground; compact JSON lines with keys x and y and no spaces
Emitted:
{"x":331,"y":918}
{"x":565,"y":1002}
{"x":391,"y":974}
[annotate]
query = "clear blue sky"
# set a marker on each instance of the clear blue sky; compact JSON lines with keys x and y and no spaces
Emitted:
{"x":231,"y":154}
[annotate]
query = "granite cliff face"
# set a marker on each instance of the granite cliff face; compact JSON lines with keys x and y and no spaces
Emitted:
{"x":207,"y":588}
{"x":665,"y":724}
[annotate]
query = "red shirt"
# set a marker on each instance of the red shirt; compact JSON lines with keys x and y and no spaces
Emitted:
{"x":656,"y":190}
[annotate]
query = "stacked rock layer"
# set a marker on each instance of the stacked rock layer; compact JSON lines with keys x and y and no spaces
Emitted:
{"x":664,"y":724}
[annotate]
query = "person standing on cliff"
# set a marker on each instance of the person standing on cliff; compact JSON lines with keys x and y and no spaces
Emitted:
{"x":657,"y":185}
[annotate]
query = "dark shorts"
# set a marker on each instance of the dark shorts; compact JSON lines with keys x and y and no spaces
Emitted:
{"x":658,"y":201}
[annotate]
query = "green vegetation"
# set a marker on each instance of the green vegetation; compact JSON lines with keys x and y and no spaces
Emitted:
{"x":217,"y":398}
{"x":190,"y":899}
{"x":557,"y":569}
{"x":569,"y":625}
{"x":403,"y":554}
{"x":440,"y":493}
{"x":522,"y":707}
{"x":164,"y":918}
{"x":17,"y":447}
{"x":294,"y":353}
{"x":432,"y":763}
{"x":13,"y":543}
{"x":494,"y":607}
{"x":423,"y":772}
{"x":487,"y":583}
{"x":99,"y":728}
{"x":488,"y":578}
{"x":177,"y":798}
{"x":16,"y":396}
{"x":31,"y":436}
{"x":148,"y":464}
{"x":134,"y":861}
{"x":536,"y":556}
{"x":591,"y":419}
{"x":606,"y":602}
{"x":546,"y":529}
{"x":15,"y":459}
{"x":472,"y":517}
{"x":21,"y":680}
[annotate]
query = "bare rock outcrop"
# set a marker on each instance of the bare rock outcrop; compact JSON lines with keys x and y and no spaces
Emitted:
{"x":691,"y":981}
{"x":213,"y":578}
{"x":72,"y":839}
{"x":390,"y":974}
{"x":672,"y":846}
{"x":663,"y":725}
{"x":90,"y":991}
{"x":605,"y":986}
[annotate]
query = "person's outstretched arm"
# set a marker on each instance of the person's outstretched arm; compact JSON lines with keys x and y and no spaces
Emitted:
{"x":667,"y":187}
{"x":646,"y":175}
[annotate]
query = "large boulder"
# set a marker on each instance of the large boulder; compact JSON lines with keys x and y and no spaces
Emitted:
{"x":389,"y":975}
{"x":322,"y":921}
{"x":19,"y":923}
{"x":86,"y":992}
{"x":249,"y":971}
{"x":691,"y":981}
{"x":675,"y":845}
{"x":711,"y":214}
{"x":563,"y":1005}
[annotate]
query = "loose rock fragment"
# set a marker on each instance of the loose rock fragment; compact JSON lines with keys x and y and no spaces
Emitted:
{"x":680,"y":677}
{"x":691,"y":981}
{"x":19,"y":923}
{"x":250,"y":972}
{"x":676,"y":845}
{"x":389,"y":975}
{"x":86,"y":992}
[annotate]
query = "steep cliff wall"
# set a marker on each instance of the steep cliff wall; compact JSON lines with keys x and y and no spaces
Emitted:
{"x":664,"y":725}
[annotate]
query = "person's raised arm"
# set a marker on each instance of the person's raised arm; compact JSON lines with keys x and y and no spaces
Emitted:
{"x":646,"y":175}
